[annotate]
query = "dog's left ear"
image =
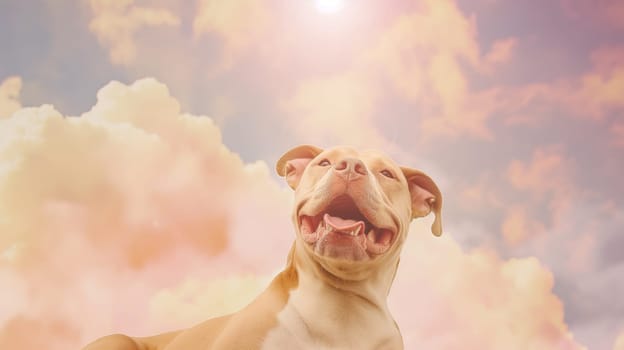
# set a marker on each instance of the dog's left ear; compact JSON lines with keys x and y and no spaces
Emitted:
{"x":292,"y":164}
{"x":426,"y":197}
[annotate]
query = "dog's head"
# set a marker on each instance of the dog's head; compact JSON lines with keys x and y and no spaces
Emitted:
{"x":353,"y":209}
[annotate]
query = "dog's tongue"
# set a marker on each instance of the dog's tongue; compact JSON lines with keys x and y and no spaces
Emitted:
{"x":340,"y":224}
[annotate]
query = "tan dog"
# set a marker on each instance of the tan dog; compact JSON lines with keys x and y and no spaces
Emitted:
{"x":352,"y":212}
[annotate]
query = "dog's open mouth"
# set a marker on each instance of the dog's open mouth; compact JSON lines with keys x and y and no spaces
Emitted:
{"x":342,"y":224}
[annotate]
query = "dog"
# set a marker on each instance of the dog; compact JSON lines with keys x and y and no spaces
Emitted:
{"x":351,"y":216}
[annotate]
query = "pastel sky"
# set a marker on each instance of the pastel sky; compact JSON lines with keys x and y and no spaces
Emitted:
{"x":138,"y":140}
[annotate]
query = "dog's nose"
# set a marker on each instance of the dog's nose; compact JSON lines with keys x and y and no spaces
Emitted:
{"x":351,"y":168}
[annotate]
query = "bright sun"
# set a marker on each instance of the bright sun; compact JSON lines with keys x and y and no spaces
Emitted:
{"x":329,"y":6}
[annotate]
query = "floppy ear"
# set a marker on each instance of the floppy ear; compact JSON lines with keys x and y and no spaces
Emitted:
{"x":426,"y":197}
{"x":293,"y":163}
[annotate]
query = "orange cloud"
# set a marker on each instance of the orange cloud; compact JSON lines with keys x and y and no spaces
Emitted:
{"x":9,"y":96}
{"x":114,"y":23}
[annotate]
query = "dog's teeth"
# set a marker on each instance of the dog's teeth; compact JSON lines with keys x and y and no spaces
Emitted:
{"x":319,"y":227}
{"x":356,"y":231}
{"x":371,"y":235}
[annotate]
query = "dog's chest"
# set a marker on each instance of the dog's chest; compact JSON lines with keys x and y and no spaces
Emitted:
{"x":291,"y":332}
{"x":307,"y":325}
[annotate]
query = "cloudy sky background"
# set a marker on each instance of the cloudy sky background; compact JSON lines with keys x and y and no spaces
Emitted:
{"x":138,"y":138}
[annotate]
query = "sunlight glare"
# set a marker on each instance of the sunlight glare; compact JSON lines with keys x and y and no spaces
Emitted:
{"x":329,"y":6}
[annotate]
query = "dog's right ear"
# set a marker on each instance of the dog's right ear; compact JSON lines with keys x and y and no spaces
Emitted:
{"x":292,"y":164}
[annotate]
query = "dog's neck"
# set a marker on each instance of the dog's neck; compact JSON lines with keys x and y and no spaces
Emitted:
{"x":320,"y":298}
{"x":333,"y":313}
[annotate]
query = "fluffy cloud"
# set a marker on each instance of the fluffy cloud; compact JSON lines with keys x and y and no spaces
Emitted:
{"x":9,"y":96}
{"x":112,"y":206}
{"x":444,"y":298}
{"x":115,"y":23}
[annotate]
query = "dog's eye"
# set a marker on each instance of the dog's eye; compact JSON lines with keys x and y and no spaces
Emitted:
{"x":387,"y":174}
{"x":324,"y":162}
